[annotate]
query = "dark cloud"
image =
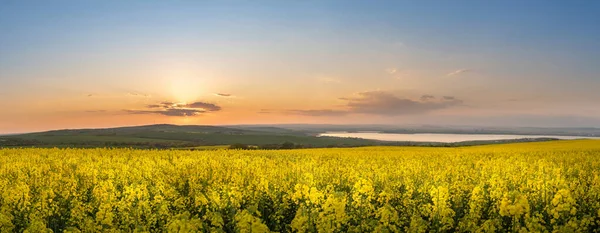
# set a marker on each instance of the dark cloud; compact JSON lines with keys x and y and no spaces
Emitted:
{"x":384,"y":103}
{"x":206,"y":106}
{"x":169,"y":112}
{"x":197,"y":105}
{"x":223,"y":94}
{"x":165,"y":105}
{"x":95,"y":111}
{"x":427,"y":97}
{"x":168,"y":108}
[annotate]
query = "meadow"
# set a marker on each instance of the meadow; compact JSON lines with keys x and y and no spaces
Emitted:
{"x":524,"y":187}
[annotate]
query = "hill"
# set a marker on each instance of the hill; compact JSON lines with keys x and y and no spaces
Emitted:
{"x":314,"y":129}
{"x":169,"y":136}
{"x":204,"y":136}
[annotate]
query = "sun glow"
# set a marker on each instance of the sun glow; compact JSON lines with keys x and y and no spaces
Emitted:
{"x":185,"y":82}
{"x":186,"y":89}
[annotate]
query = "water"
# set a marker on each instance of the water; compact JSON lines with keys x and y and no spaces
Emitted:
{"x":439,"y":137}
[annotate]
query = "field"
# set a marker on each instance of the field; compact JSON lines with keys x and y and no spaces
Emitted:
{"x":526,"y":187}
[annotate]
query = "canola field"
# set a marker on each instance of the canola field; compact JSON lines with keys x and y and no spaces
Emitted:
{"x":528,"y":187}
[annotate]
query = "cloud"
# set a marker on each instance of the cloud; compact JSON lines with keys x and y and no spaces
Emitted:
{"x":168,"y":108}
{"x":137,"y":94}
{"x":169,"y":112}
{"x":399,"y":74}
{"x":449,"y":98}
{"x":383,"y":103}
{"x":223,"y":94}
{"x":265,"y":111}
{"x":427,"y":97}
{"x":95,"y":111}
{"x":457,"y":72}
{"x":166,"y":103}
{"x":202,"y":105}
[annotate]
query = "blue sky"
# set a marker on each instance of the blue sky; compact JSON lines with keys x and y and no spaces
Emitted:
{"x":97,"y":62}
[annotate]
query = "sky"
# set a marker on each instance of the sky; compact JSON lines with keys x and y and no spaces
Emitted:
{"x":90,"y":64}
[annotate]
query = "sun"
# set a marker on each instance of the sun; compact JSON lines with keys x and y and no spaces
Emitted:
{"x":185,"y":83}
{"x":187,"y":88}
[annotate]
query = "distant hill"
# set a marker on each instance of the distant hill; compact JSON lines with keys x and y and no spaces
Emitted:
{"x":321,"y":128}
{"x":257,"y":136}
{"x":169,"y":136}
{"x":137,"y":130}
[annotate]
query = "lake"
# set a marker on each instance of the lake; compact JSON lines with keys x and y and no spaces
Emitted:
{"x":439,"y":137}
